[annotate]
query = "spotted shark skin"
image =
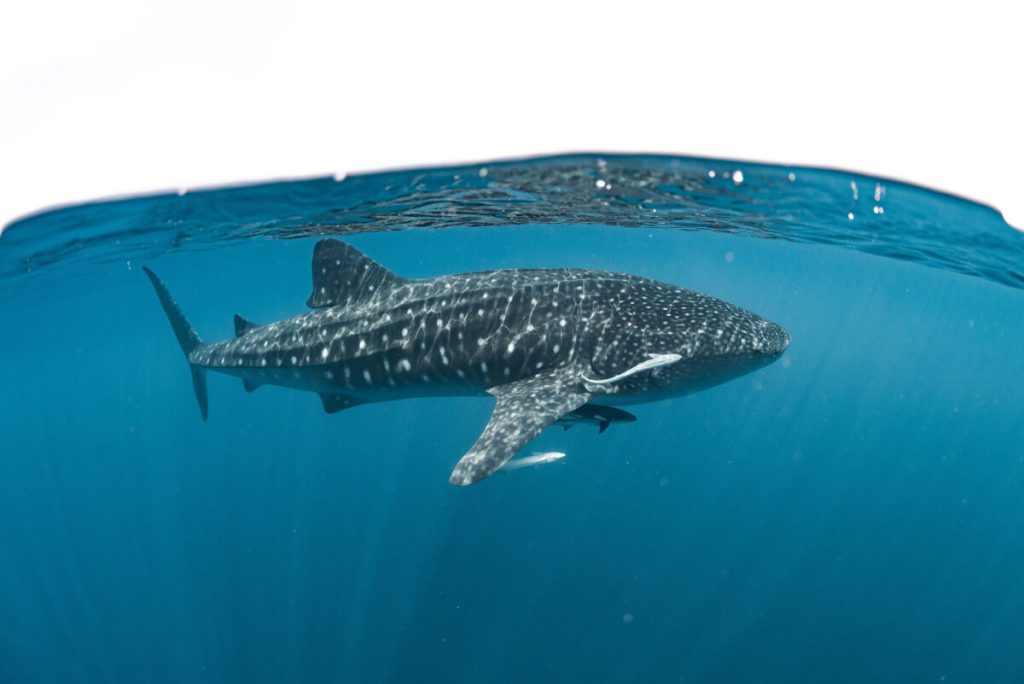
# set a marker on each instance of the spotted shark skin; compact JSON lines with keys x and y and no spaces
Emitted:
{"x":544,"y":342}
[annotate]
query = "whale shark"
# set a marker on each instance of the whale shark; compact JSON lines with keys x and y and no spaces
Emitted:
{"x":548,"y":344}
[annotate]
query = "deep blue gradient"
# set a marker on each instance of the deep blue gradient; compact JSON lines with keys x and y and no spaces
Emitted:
{"x":853,"y":512}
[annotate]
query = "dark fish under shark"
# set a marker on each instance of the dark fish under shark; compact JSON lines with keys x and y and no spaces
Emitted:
{"x":549,"y":344}
{"x":601,"y":416}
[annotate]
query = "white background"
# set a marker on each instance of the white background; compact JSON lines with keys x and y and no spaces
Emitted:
{"x":112,"y":97}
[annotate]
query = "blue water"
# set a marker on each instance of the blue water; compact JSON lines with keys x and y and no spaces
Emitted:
{"x":853,"y":512}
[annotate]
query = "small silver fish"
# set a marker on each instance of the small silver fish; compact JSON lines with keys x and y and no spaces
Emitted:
{"x":532,"y":460}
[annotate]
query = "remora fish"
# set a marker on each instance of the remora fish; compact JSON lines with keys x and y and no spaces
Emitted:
{"x":601,"y":416}
{"x":543,"y":342}
{"x":532,"y":460}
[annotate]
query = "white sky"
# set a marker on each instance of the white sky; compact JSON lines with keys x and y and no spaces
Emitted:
{"x":115,"y":96}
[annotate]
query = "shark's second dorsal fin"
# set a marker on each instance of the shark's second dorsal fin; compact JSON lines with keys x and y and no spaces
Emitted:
{"x":342,"y":275}
{"x":242,"y":325}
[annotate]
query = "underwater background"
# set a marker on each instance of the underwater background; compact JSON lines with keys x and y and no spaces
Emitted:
{"x":852,"y":512}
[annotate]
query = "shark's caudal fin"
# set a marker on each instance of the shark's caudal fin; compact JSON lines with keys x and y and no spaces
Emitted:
{"x":187,"y":338}
{"x":342,"y":275}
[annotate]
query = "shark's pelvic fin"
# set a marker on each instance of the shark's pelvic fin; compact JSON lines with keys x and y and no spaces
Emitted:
{"x":243,"y":325}
{"x":251,"y":386}
{"x":187,"y":338}
{"x":524,"y":408}
{"x":338,"y":402}
{"x":343,"y":275}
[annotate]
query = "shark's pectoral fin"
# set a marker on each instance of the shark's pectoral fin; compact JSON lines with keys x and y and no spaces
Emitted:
{"x":338,"y":402}
{"x":524,"y":408}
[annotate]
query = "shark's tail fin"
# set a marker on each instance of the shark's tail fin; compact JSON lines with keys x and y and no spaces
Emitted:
{"x":187,"y":338}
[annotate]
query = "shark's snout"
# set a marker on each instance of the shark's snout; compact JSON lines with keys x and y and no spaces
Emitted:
{"x":761,"y":338}
{"x":774,"y":339}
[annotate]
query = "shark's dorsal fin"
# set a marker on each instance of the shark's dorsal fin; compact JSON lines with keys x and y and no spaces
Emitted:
{"x":243,"y":325}
{"x":342,"y":275}
{"x":524,"y":408}
{"x":338,"y":402}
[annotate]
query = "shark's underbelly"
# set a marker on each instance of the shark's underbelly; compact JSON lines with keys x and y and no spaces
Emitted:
{"x":369,"y":379}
